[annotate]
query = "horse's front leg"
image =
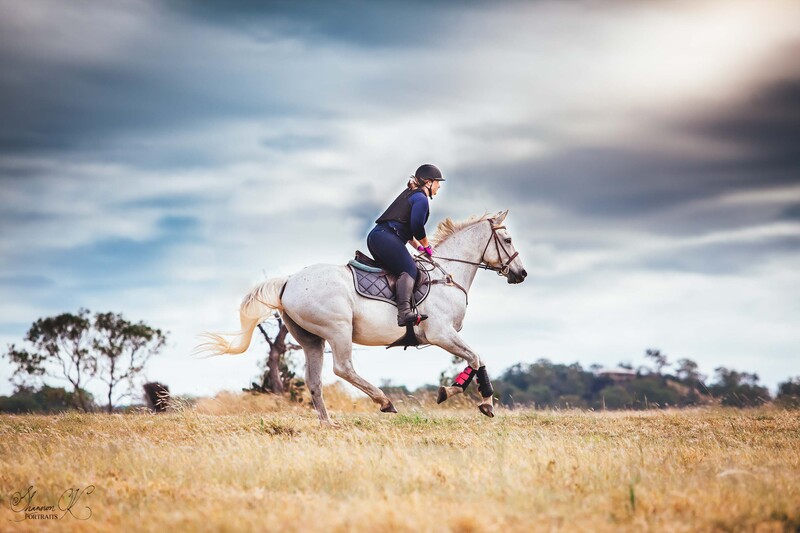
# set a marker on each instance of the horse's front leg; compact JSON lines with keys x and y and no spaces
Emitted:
{"x":450,"y":340}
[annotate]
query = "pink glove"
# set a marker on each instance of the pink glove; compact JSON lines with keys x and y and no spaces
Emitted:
{"x":427,"y":249}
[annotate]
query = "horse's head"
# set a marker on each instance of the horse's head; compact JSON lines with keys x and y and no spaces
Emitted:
{"x":500,"y":252}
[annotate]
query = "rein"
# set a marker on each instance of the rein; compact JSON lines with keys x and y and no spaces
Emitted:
{"x":501,"y":270}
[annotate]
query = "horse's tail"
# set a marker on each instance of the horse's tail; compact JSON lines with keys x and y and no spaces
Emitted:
{"x":257,"y":305}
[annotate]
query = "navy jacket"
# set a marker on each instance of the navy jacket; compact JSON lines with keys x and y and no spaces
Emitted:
{"x":408,"y":214}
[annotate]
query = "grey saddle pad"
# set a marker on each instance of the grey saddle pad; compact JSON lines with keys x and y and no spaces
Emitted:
{"x":380,"y":285}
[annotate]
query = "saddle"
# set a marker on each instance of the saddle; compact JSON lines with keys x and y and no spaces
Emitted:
{"x":371,"y":281}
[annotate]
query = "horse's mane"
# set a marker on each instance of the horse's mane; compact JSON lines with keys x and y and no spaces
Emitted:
{"x":449,"y":227}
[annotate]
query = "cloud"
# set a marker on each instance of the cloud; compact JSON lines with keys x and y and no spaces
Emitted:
{"x":167,"y":69}
{"x":357,"y":23}
{"x":624,"y":194}
{"x":159,"y":72}
{"x":766,"y":126}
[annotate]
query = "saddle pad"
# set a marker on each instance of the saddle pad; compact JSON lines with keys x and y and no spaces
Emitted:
{"x":375,"y":286}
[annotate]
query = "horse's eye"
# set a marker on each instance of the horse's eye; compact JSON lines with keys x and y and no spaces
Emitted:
{"x":508,"y":241}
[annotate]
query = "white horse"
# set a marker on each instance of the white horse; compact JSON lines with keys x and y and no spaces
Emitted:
{"x":320,"y":304}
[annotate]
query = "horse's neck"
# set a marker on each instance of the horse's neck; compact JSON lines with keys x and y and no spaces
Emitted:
{"x":466,"y":245}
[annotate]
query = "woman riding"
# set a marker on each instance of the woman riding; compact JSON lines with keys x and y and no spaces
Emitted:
{"x":404,"y":222}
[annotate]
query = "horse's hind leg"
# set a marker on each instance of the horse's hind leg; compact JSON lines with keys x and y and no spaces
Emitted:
{"x":314,"y":359}
{"x":342,"y":347}
{"x":314,"y":349}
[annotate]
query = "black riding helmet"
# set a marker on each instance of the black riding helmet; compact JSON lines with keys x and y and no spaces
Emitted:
{"x":429,"y":172}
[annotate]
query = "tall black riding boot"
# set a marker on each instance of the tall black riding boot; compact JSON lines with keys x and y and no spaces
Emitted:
{"x":404,"y":290}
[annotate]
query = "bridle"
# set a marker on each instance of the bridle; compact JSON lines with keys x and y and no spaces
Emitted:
{"x":502,"y":270}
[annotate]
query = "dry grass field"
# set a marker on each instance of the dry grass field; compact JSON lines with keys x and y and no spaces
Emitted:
{"x":240,"y":463}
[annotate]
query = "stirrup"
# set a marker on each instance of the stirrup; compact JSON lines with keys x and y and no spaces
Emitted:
{"x":415,"y":320}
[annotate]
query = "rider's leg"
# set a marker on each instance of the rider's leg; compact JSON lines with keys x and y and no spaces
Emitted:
{"x":404,"y":291}
{"x":387,"y":248}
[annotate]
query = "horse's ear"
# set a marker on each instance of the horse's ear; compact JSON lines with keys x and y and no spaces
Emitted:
{"x":500,"y":217}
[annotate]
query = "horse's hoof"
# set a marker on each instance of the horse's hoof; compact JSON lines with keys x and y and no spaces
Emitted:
{"x":487,"y":409}
{"x":442,"y":395}
{"x":388,"y":409}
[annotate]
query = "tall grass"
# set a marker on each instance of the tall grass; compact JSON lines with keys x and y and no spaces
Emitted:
{"x":241,"y":463}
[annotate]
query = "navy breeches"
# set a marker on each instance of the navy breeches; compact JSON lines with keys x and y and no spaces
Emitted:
{"x":390,"y":251}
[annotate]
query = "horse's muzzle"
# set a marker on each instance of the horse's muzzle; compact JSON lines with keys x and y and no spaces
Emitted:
{"x":517,"y":277}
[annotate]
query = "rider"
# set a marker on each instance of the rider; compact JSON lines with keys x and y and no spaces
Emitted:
{"x":404,"y":222}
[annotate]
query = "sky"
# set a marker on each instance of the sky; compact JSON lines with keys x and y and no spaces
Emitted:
{"x":160,"y":158}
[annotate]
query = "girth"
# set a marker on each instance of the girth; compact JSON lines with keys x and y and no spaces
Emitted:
{"x":448,"y":280}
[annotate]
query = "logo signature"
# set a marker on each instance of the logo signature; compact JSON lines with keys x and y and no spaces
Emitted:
{"x":23,"y":504}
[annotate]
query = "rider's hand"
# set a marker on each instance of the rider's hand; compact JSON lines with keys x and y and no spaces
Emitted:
{"x":427,"y":249}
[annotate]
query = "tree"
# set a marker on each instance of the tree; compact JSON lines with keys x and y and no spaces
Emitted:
{"x":652,"y":391}
{"x":616,"y":397}
{"x":122,"y":350}
{"x":546,"y":384}
{"x":60,"y":349}
{"x":77,"y":349}
{"x":278,"y":377}
{"x":659,"y":360}
{"x":44,"y":400}
{"x":687,"y":371}
{"x":789,"y":393}
{"x":738,"y":389}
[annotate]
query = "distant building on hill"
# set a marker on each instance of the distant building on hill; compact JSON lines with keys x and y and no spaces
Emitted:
{"x":618,"y":374}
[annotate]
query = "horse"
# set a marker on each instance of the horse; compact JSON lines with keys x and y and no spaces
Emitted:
{"x":319,"y":304}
